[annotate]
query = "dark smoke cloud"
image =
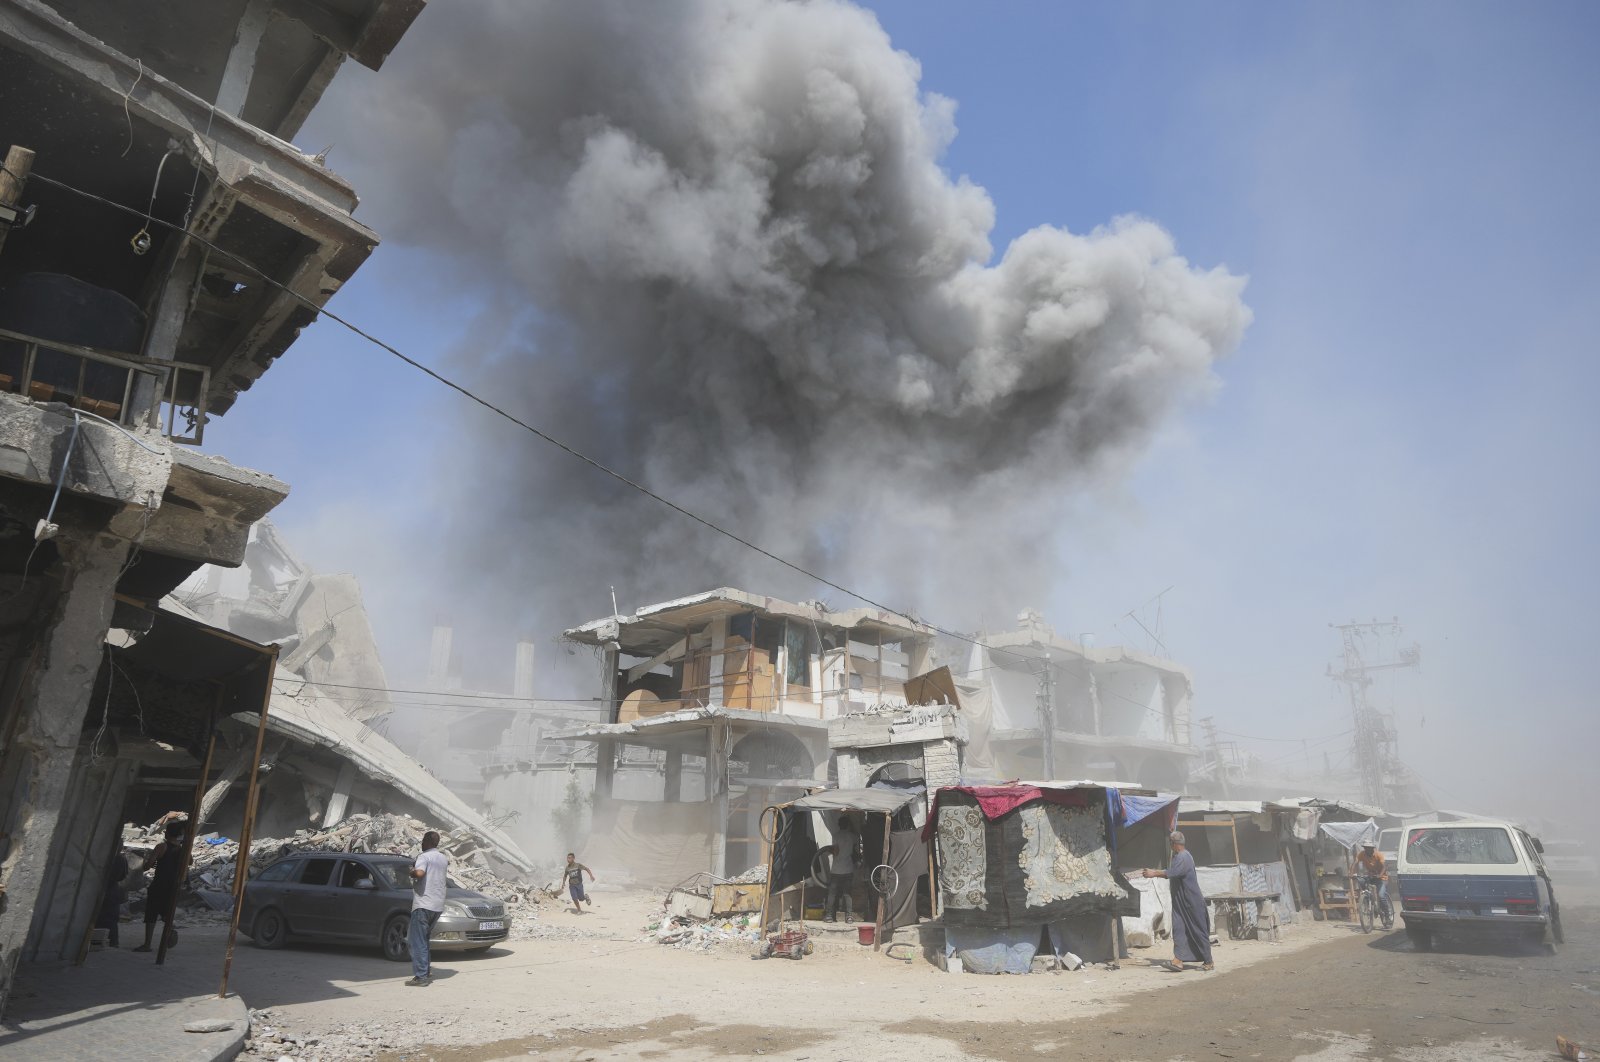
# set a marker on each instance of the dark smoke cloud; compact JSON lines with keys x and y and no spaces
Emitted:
{"x":745,"y":279}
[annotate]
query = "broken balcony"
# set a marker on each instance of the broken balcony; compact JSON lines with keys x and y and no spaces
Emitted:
{"x":125,"y":389}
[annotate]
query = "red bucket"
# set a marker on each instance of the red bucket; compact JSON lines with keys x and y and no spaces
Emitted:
{"x":866,"y":933}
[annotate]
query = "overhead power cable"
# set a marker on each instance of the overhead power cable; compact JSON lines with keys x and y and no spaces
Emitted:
{"x":539,"y":433}
{"x":503,"y":413}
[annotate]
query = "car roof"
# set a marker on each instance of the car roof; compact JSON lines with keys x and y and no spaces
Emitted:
{"x":1464,"y":822}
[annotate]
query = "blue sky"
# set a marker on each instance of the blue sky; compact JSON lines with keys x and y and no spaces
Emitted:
{"x":1406,"y":430}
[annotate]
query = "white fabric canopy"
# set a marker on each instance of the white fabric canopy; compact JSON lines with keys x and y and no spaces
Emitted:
{"x":1352,"y":834}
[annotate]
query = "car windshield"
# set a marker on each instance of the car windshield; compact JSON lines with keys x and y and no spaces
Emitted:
{"x":1460,"y":844}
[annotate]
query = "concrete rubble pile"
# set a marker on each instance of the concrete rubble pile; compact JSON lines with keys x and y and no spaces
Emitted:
{"x":756,"y":875}
{"x":687,"y":934}
{"x":213,"y":864}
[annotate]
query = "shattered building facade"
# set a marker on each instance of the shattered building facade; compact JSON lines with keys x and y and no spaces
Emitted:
{"x":120,"y":337}
{"x":720,"y":704}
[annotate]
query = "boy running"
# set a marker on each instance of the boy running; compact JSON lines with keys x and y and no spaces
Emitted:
{"x":575,"y":872}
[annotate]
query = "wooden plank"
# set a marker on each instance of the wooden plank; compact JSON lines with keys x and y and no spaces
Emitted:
{"x":670,"y":654}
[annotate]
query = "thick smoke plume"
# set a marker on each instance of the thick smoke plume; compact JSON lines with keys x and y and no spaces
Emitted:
{"x":727,"y":261}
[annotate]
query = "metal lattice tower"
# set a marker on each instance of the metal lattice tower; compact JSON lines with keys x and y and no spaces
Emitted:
{"x":1376,"y":745}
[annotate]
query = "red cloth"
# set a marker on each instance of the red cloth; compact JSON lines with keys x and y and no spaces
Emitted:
{"x":996,"y":800}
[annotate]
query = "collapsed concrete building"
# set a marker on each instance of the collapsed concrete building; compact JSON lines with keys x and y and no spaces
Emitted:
{"x":327,"y":753}
{"x":120,"y":338}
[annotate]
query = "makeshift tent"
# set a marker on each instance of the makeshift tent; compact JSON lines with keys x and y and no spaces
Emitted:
{"x":1141,"y":841}
{"x":888,"y":839}
{"x":1017,"y":860}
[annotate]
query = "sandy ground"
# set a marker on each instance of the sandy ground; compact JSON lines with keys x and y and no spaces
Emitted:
{"x":1326,"y":992}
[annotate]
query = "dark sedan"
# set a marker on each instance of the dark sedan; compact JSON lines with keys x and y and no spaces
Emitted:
{"x":361,"y":899}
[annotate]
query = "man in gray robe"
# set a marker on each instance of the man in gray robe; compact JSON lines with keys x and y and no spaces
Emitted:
{"x":1191,"y":921}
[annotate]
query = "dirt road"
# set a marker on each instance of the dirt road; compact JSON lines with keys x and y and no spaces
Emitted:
{"x":1326,"y":993}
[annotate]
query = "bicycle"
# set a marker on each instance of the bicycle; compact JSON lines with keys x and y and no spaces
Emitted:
{"x":1368,"y":907}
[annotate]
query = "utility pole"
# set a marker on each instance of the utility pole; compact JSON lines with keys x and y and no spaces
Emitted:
{"x":1376,"y":743}
{"x":1210,"y":726}
{"x":1047,"y":718}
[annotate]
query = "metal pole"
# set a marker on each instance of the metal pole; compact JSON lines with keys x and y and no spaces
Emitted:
{"x":241,"y":870}
{"x":883,"y":899}
{"x":194,"y":826}
{"x":1047,"y":718}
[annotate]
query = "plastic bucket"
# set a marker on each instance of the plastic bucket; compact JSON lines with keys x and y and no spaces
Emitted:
{"x":866,"y":933}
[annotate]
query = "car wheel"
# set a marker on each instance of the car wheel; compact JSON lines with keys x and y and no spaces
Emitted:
{"x":269,"y":930}
{"x":396,"y":945}
{"x":1421,"y":939}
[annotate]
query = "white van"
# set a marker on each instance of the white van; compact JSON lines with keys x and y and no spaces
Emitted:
{"x":1477,"y":877}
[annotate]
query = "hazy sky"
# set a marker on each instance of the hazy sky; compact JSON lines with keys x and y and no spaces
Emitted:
{"x":1405,"y":430}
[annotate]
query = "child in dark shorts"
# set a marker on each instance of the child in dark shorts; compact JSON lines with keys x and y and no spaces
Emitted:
{"x":575,"y":872}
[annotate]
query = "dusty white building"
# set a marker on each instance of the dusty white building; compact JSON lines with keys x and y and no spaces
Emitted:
{"x":1118,"y":713}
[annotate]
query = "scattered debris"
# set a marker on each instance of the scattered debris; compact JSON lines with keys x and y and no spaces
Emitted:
{"x":214,"y":862}
{"x":689,"y":934}
{"x":208,"y":1025}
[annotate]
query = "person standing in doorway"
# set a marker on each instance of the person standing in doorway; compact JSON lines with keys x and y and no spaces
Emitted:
{"x":162,"y":895}
{"x":115,"y":895}
{"x":842,"y":868}
{"x":427,"y":904}
{"x":575,"y":872}
{"x":1191,"y":922}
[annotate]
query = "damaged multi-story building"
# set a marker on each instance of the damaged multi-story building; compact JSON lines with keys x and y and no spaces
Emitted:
{"x":1116,"y":713}
{"x":162,"y":241}
{"x":719,"y":705}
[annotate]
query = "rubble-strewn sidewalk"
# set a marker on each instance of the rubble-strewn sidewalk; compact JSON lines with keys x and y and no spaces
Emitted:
{"x":120,"y":1005}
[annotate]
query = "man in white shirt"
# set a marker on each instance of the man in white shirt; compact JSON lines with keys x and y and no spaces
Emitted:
{"x":842,"y":870}
{"x":427,"y":904}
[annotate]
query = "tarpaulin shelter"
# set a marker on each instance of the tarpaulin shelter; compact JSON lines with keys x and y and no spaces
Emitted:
{"x":1017,"y":861}
{"x":890,"y":839}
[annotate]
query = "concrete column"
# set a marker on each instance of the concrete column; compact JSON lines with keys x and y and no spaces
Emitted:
{"x":718,"y":738}
{"x":218,"y":790}
{"x":339,"y":802}
{"x":672,"y":788}
{"x":440,"y":653}
{"x":609,"y":662}
{"x":166,"y":325}
{"x":605,"y":768}
{"x":90,"y":821}
{"x":241,"y":65}
{"x":719,"y":644}
{"x":1094,"y":700}
{"x":52,"y":706}
{"x":522,"y":677}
